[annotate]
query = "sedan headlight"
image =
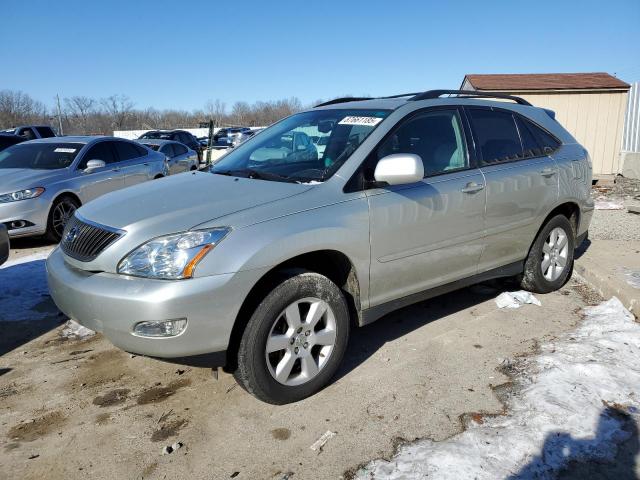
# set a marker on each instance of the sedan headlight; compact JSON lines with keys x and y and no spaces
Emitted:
{"x":21,"y":195}
{"x":171,"y":257}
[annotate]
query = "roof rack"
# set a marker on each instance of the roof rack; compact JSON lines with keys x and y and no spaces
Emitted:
{"x":343,"y":100}
{"x":430,"y":94}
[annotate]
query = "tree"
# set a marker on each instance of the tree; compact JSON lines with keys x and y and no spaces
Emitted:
{"x":119,"y":108}
{"x":80,"y":108}
{"x":215,"y":111}
{"x":18,"y":108}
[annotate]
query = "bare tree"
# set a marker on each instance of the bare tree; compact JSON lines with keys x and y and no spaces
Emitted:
{"x":215,"y":110}
{"x":119,"y":108}
{"x":19,"y":108}
{"x":79,"y":109}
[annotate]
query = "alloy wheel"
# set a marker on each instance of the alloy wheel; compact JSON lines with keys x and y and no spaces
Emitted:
{"x":301,"y":341}
{"x":62,"y":212}
{"x":555,"y":252}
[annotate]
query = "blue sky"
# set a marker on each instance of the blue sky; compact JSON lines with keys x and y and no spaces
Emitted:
{"x":169,"y":54}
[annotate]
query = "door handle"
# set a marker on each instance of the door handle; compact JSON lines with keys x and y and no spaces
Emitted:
{"x":472,"y":187}
{"x":547,"y":172}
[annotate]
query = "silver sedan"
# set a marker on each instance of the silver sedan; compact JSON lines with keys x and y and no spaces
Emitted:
{"x":43,"y":182}
{"x":180,"y":158}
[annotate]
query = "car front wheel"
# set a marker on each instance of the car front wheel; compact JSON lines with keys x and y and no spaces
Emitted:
{"x":295,"y":339}
{"x":60,"y":213}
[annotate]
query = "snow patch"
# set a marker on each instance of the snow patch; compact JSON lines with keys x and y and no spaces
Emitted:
{"x":516,"y":299}
{"x":569,"y":409}
{"x":73,"y":329}
{"x":632,"y":276}
{"x":601,"y":203}
{"x":23,"y":287}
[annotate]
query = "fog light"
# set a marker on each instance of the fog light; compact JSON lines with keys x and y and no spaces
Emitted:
{"x":168,"y":328}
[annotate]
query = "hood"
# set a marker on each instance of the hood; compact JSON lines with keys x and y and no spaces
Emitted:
{"x":181,"y":202}
{"x":12,"y":179}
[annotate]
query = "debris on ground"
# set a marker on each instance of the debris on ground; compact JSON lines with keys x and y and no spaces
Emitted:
{"x":516,"y":299}
{"x":633,"y":209}
{"x":577,"y":402}
{"x":73,"y":329}
{"x":318,"y":444}
{"x":172,"y":448}
{"x":602,"y":203}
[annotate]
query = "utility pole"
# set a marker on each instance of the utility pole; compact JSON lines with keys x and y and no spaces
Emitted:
{"x":59,"y":115}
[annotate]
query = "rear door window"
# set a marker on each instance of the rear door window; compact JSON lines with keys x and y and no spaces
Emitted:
{"x":126,"y":150}
{"x":497,"y":135}
{"x":179,"y":149}
{"x":167,"y":149}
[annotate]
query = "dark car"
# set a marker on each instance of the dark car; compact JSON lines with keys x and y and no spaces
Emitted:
{"x":178,"y":136}
{"x":4,"y":243}
{"x":9,"y":139}
{"x":229,"y":132}
{"x":31,"y":132}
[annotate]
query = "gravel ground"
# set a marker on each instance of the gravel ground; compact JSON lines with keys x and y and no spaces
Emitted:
{"x":617,"y":224}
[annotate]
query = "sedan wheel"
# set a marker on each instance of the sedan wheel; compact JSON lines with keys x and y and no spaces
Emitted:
{"x":59,"y":215}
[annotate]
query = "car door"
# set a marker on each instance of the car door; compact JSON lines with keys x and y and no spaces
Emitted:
{"x":132,"y":162}
{"x":168,"y":151}
{"x":102,"y":180}
{"x":181,"y":157}
{"x":429,"y":233}
{"x":521,"y":185}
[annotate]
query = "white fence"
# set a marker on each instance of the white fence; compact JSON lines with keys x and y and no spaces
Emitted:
{"x":631,"y":133}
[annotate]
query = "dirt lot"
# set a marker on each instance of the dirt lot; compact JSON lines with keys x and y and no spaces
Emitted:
{"x":81,"y":408}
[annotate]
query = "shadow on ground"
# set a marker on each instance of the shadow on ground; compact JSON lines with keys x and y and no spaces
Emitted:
{"x":583,"y":458}
{"x":26,"y":309}
{"x":365,"y":341}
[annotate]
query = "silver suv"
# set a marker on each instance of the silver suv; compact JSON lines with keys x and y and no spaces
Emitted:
{"x":263,"y":264}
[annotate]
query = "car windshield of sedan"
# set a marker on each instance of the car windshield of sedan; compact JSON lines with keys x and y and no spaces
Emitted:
{"x":286,"y":152}
{"x":40,"y":156}
{"x":157,"y":135}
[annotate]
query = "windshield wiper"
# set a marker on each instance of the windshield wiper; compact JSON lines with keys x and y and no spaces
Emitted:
{"x":256,"y":174}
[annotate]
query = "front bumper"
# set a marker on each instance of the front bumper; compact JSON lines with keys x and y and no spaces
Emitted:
{"x":33,"y":210}
{"x":112,"y":304}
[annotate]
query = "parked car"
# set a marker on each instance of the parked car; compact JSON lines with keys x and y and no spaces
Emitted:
{"x":9,"y":139}
{"x":264,"y":264}
{"x":5,"y":246}
{"x":181,"y":136}
{"x":31,"y":132}
{"x":180,"y":158}
{"x":229,"y":132}
{"x":43,"y":182}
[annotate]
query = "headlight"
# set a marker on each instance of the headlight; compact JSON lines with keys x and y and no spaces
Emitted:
{"x":21,"y":195}
{"x":173,"y":256}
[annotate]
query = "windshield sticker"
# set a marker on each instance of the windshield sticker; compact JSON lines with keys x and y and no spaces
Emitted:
{"x":367,"y":121}
{"x":64,"y":150}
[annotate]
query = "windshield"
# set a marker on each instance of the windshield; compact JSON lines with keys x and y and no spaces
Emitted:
{"x":157,"y":135}
{"x":286,"y":151}
{"x":41,"y":156}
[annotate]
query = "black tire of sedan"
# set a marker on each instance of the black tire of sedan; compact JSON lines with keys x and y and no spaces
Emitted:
{"x":295,"y":339}
{"x":61,"y":211}
{"x":550,"y":261}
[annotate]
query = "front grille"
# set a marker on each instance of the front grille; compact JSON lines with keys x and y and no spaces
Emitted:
{"x":85,"y":241}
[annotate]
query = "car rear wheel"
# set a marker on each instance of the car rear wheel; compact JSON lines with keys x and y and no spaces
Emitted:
{"x":295,"y":339}
{"x":550,"y":261}
{"x":60,"y":213}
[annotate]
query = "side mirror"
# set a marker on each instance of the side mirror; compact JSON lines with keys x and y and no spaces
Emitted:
{"x":94,"y":165}
{"x":399,"y":169}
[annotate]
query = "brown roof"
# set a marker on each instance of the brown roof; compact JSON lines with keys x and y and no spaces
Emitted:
{"x":546,"y":81}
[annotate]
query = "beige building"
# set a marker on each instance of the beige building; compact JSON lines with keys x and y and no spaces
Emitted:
{"x":590,"y":105}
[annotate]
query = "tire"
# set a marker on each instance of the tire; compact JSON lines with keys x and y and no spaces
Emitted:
{"x":295,"y":355}
{"x":557,"y":255}
{"x":61,"y":211}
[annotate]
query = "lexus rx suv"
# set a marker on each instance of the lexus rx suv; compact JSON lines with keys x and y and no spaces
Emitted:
{"x":264,"y":263}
